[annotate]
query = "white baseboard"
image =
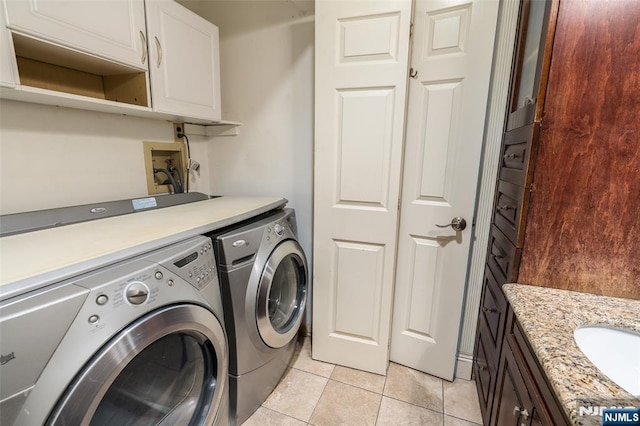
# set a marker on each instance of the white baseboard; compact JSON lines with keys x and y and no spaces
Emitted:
{"x":464,"y":366}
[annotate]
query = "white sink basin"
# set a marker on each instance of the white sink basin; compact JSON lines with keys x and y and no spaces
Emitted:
{"x":615,"y":351}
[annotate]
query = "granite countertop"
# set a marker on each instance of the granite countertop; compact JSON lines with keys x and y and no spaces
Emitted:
{"x":548,"y":318}
{"x":35,"y":259}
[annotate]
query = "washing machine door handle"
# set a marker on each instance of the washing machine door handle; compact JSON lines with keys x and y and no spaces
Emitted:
{"x":282,"y":294}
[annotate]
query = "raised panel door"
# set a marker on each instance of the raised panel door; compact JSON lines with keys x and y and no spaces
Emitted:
{"x":448,"y":89}
{"x":512,"y":403}
{"x":361,"y":63}
{"x":184,"y":61}
{"x":114,"y":30}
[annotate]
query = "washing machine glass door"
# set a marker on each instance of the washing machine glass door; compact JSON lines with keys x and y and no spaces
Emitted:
{"x":282,"y":294}
{"x":169,"y":368}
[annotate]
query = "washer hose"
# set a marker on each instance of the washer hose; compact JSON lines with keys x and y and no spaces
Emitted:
{"x":180,"y":177}
{"x":176,"y":188}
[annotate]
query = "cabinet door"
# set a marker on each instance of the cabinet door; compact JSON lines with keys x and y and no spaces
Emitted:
{"x":513,"y":406}
{"x":114,"y":30}
{"x":184,"y":61}
{"x":8,"y":72}
{"x":528,"y":84}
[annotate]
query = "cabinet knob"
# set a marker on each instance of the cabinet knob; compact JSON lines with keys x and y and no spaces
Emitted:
{"x":511,"y":156}
{"x":518,"y":412}
{"x":489,"y":310}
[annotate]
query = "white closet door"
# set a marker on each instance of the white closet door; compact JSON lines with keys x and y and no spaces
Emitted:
{"x":451,"y":63}
{"x":360,"y":89}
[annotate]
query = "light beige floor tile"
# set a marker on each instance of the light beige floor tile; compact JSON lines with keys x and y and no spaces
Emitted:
{"x":297,"y":394}
{"x":453,"y":421}
{"x":265,"y":417}
{"x":304,"y":361}
{"x":414,"y":387}
{"x":461,"y":400}
{"x":362,"y":379}
{"x":343,"y":404}
{"x":394,"y":412}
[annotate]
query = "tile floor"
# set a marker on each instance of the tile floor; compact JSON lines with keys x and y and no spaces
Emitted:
{"x":317,"y":393}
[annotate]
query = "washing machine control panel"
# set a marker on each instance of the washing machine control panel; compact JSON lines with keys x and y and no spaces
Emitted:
{"x":277,"y":232}
{"x":136,"y":293}
{"x":196,"y":265}
{"x":148,"y":281}
{"x":278,"y":229}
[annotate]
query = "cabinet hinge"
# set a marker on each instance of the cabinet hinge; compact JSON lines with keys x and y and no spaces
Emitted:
{"x":411,"y":30}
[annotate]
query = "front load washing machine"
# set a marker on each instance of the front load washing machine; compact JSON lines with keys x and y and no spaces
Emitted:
{"x":263,"y":276}
{"x":140,"y":342}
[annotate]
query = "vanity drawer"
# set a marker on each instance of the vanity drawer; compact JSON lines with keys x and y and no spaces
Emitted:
{"x":503,"y":257}
{"x":485,"y":372}
{"x":493,"y":312}
{"x":509,"y":215}
{"x":516,"y":154}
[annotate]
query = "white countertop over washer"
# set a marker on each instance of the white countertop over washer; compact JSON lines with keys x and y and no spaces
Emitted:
{"x":34,"y":259}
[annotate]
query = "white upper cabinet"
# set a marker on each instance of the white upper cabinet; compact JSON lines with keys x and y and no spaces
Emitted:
{"x":184,"y":62}
{"x":110,"y":29}
{"x":8,"y":71}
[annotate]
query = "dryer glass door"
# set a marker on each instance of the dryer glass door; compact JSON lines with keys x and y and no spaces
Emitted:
{"x":282,"y":294}
{"x":161,"y":385}
{"x":168,"y":368}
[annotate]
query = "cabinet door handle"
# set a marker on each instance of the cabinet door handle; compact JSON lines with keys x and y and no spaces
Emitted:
{"x":143,"y":39}
{"x":159,"y":51}
{"x":504,"y":207}
{"x":489,"y":310}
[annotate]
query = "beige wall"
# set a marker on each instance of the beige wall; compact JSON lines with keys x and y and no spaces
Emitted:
{"x":53,"y":157}
{"x":267,"y":69}
{"x":266,"y":57}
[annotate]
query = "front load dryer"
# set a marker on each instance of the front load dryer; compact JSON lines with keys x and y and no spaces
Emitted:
{"x":140,"y":342}
{"x":263,"y":276}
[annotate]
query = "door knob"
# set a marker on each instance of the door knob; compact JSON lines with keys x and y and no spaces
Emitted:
{"x":457,"y":223}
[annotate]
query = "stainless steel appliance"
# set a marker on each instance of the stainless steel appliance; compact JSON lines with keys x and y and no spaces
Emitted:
{"x":263,"y":276}
{"x":138,"y":342}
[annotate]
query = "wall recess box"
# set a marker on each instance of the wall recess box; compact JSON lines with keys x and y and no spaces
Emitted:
{"x":158,"y":156}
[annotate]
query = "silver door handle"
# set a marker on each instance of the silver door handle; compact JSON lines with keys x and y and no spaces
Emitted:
{"x":457,"y":223}
{"x":143,"y":40}
{"x":159,"y":50}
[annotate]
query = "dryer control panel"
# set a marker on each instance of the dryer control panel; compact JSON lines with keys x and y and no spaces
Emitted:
{"x":197,"y":266}
{"x":163,"y":276}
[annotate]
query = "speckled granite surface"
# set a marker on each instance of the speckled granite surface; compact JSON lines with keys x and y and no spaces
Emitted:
{"x":548,"y":318}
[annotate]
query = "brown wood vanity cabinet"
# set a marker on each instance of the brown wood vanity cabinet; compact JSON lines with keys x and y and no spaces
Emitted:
{"x":572,"y":114}
{"x":523,"y":395}
{"x":500,"y":380}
